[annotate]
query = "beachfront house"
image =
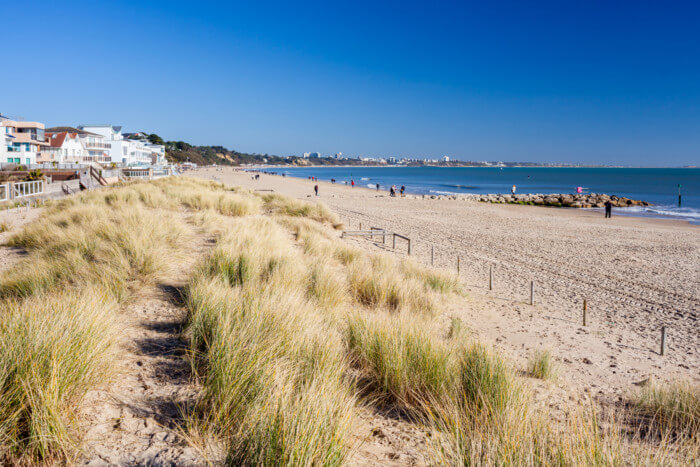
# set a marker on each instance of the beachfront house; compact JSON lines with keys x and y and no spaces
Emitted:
{"x":6,"y":139}
{"x":23,"y":139}
{"x":157,"y":153}
{"x":129,"y":152}
{"x":72,"y":145}
{"x":112,"y":136}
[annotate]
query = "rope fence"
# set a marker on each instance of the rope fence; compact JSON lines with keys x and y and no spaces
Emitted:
{"x":457,"y":261}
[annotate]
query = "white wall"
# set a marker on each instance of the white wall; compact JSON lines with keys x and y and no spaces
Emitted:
{"x":116,"y":152}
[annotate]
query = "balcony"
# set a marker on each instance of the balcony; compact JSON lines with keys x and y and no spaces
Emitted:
{"x":93,"y":145}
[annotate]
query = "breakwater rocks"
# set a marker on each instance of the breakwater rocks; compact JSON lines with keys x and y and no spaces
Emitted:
{"x":591,"y":200}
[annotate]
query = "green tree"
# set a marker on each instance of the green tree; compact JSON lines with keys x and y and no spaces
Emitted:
{"x":155,"y":139}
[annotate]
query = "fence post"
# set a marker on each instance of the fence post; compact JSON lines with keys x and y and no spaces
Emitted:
{"x":663,"y":340}
{"x":409,"y":247}
{"x":432,"y":255}
{"x":490,"y":276}
{"x":393,"y":242}
{"x":585,"y":311}
{"x":457,"y":264}
{"x":532,"y":292}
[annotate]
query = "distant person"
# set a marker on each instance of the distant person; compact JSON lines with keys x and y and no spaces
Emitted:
{"x":579,"y":189}
{"x":377,"y":186}
{"x":352,"y":183}
{"x":333,"y":181}
{"x":316,"y":189}
{"x":403,"y":188}
{"x":512,"y":190}
{"x":392,"y":190}
{"x":608,"y":209}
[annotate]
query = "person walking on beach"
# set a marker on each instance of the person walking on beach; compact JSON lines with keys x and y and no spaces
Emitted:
{"x":403,"y":188}
{"x":316,"y":189}
{"x":392,"y":190}
{"x":512,"y":190}
{"x":608,"y":209}
{"x":352,"y":183}
{"x":377,"y":186}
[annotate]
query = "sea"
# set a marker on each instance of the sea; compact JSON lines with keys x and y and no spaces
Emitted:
{"x":658,"y":186}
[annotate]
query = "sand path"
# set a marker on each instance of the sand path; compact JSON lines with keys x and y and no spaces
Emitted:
{"x":137,"y":420}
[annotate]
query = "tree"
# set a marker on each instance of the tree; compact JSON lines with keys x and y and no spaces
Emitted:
{"x":155,"y":139}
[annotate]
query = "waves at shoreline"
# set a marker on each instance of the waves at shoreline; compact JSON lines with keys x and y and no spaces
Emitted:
{"x":656,"y":186}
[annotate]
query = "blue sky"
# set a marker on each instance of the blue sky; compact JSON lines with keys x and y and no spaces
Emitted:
{"x":596,"y":82}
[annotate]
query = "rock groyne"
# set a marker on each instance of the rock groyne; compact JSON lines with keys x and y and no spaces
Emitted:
{"x":591,"y":200}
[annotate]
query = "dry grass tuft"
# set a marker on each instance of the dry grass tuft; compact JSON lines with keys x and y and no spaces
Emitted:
{"x":541,"y":365}
{"x":670,"y":411}
{"x":53,"y":348}
{"x":292,"y":207}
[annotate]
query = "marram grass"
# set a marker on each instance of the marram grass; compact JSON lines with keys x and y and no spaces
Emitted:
{"x":291,"y":332}
{"x":541,"y":365}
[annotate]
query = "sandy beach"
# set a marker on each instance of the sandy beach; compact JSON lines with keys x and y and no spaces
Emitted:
{"x":636,"y":274}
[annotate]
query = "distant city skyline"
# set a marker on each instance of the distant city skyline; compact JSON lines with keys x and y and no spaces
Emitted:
{"x":587,"y":83}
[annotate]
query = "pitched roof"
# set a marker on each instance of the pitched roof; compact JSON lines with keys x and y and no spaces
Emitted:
{"x":56,"y":139}
{"x":69,"y":129}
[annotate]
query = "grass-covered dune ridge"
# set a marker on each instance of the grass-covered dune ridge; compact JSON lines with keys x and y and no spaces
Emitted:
{"x":292,"y":333}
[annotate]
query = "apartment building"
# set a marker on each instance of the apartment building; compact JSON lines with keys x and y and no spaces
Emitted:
{"x":130,"y":152}
{"x":22,"y":141}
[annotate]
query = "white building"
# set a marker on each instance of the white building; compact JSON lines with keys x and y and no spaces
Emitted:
{"x":445,"y":159}
{"x":112,"y":135}
{"x":21,"y":140}
{"x":67,"y":144}
{"x":6,"y":140}
{"x":126,"y":151}
{"x":157,"y":154}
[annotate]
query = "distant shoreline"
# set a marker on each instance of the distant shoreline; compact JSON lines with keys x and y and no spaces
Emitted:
{"x":397,"y":166}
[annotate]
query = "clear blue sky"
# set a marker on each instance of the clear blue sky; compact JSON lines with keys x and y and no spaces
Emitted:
{"x":597,"y":82}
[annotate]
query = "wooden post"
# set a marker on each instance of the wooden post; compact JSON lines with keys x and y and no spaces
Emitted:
{"x":409,"y":247}
{"x":457,"y":264}
{"x":432,"y":255}
{"x":532,"y":292}
{"x":360,"y":226}
{"x":663,"y":340}
{"x":585,"y":311}
{"x":490,"y":276}
{"x":393,"y":242}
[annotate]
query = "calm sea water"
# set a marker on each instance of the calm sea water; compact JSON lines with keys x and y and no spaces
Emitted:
{"x":657,"y":186}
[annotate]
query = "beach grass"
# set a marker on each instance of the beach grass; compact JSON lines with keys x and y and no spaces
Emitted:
{"x":669,"y":411}
{"x":292,"y":333}
{"x":541,"y":365}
